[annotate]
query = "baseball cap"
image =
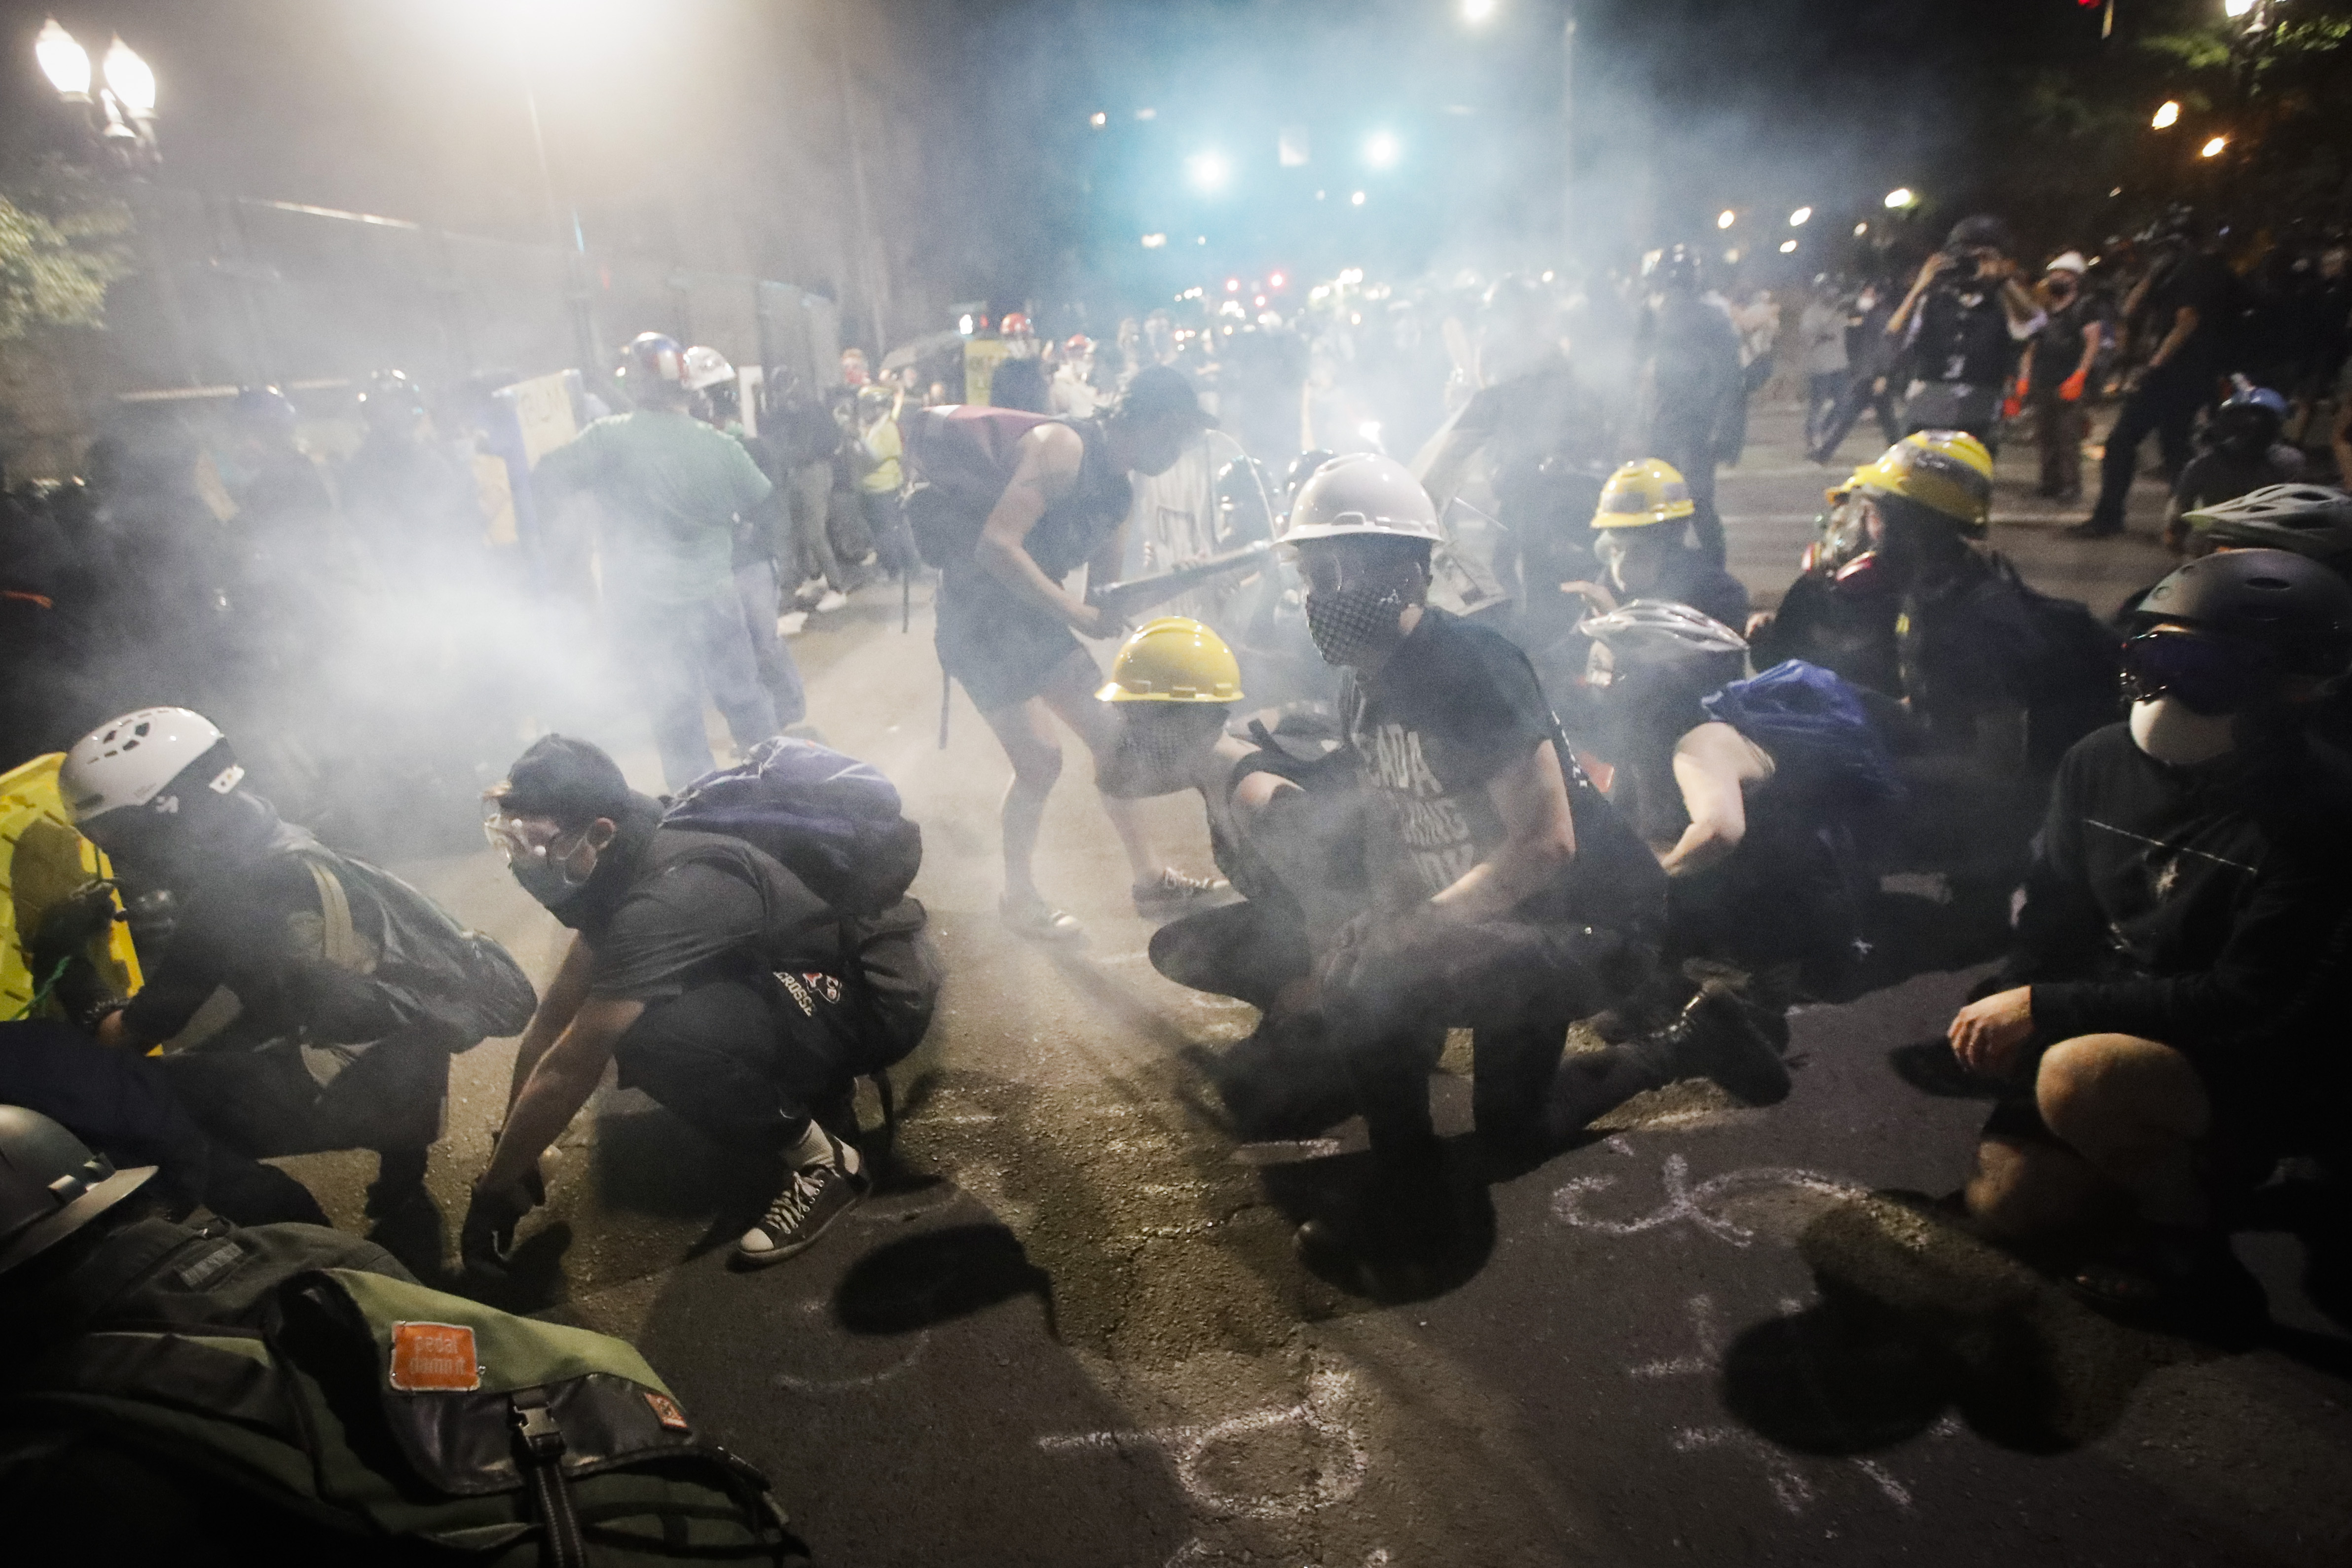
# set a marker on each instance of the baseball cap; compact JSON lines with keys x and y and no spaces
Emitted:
{"x":1162,"y":392}
{"x":568,"y":779}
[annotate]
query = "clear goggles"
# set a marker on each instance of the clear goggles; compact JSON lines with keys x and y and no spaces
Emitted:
{"x":519,"y":839}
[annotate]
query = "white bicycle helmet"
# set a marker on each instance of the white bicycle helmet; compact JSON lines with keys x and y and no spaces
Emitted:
{"x":1660,"y":634}
{"x":144,"y":762}
{"x":2312,"y":520}
{"x":1361,"y":494}
{"x":706,"y":367}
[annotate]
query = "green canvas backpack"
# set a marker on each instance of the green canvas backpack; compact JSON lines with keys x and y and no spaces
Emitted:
{"x":393,"y":1412}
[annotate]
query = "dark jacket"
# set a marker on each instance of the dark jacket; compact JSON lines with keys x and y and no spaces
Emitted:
{"x":2185,"y":906}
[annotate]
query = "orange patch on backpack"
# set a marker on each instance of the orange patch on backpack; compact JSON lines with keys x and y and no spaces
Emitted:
{"x":434,"y":1358}
{"x":665,"y":1411}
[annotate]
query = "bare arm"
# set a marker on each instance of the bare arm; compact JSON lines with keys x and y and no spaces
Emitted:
{"x":556,"y":1008}
{"x":2094,"y":334}
{"x":1539,"y":840}
{"x":1048,"y":471}
{"x":1713,"y":766}
{"x":558,"y":1084}
{"x":1898,"y":323}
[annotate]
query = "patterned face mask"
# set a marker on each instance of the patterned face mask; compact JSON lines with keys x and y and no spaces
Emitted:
{"x":1156,"y":751}
{"x":1350,"y":624}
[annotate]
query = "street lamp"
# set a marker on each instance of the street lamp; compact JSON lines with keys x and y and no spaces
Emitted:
{"x":2214,"y":148}
{"x":1726,"y":218}
{"x":131,"y":79}
{"x":1381,"y":150}
{"x":1900,"y":197}
{"x":1477,"y":13}
{"x":64,"y":61}
{"x":1207,"y":170}
{"x":1788,"y":247}
{"x":1801,"y":217}
{"x":2233,"y":9}
{"x":2167,"y":116}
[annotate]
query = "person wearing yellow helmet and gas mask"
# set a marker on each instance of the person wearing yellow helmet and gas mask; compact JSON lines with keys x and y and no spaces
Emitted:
{"x":1637,"y":536}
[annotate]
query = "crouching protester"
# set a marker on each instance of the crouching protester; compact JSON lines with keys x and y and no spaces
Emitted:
{"x":1283,"y":828}
{"x":288,"y":1392}
{"x":2188,"y":879}
{"x":1750,"y":793}
{"x":1503,"y":893}
{"x":351,"y":989}
{"x":744,"y":993}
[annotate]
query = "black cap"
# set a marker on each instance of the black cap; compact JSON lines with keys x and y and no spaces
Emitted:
{"x":1983,"y":231}
{"x":570,"y":781}
{"x":1163,"y":391}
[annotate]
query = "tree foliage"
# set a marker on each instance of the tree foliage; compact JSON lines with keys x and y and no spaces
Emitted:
{"x":60,"y":246}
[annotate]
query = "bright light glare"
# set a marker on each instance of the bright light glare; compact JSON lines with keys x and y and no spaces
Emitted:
{"x":1548,"y":277}
{"x":1352,"y":274}
{"x":2166,"y":115}
{"x":2235,"y":8}
{"x":1900,"y":197}
{"x":1153,"y":242}
{"x":64,"y":61}
{"x":1370,"y":431}
{"x":1098,"y":120}
{"x":1861,"y":229}
{"x":131,"y":78}
{"x":1357,"y":199}
{"x":1477,"y":11}
{"x":1277,"y":281}
{"x":1732,"y":256}
{"x":1801,"y":217}
{"x":1381,"y":150}
{"x":2213,"y":149}
{"x":1208,"y":170}
{"x":1726,"y":218}
{"x":1259,"y":300}
{"x":1233,"y":285}
{"x":963,"y":324}
{"x":1788,"y":246}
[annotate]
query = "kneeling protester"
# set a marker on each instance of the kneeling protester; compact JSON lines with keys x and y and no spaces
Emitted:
{"x":743,"y":956}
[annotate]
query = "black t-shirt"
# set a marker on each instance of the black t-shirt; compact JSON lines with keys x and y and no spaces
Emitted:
{"x":2201,"y":283}
{"x":1453,"y":708}
{"x":692,"y":907}
{"x":2058,"y":348}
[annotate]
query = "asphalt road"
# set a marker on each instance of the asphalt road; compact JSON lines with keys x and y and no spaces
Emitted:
{"x":1070,"y":1329}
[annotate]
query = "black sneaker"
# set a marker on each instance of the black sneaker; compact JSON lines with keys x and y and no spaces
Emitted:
{"x":1715,"y":1038}
{"x":1174,"y":893}
{"x":399,"y":1182}
{"x":813,"y":1199}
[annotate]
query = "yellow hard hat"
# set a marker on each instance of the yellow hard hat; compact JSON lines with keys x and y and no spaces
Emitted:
{"x":1641,"y":494}
{"x":1174,"y":659}
{"x":1946,"y":471}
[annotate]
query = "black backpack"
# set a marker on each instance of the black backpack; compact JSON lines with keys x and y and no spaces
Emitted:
{"x":2076,"y":686}
{"x":958,"y":459}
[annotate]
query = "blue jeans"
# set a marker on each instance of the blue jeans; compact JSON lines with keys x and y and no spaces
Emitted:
{"x":677,"y":653}
{"x":755,"y":588}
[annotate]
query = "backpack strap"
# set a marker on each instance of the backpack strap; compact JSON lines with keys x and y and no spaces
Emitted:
{"x":538,"y":1452}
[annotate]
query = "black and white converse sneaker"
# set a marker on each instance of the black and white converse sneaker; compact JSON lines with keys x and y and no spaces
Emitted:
{"x":817,"y":1193}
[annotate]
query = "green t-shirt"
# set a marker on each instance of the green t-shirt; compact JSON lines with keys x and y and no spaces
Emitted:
{"x":671,"y":487}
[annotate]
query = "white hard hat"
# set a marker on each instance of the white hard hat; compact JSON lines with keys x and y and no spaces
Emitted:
{"x":2069,"y":261}
{"x":1362,"y":494}
{"x":706,"y":367}
{"x":131,"y":762}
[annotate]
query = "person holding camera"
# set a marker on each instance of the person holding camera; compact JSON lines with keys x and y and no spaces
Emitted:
{"x":1959,"y":328}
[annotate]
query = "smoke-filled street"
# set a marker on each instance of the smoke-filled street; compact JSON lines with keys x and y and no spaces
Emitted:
{"x":1146,"y":783}
{"x":1070,"y":1328}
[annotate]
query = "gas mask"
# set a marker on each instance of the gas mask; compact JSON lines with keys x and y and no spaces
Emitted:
{"x":1157,"y":746}
{"x":1352,"y":624}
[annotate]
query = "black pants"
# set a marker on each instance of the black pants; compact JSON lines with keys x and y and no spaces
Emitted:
{"x":1686,"y":437}
{"x":263,"y":1100}
{"x":1863,"y":392}
{"x":1248,"y":951}
{"x":746,"y":1062}
{"x":2166,"y":401}
{"x":1388,"y":1002}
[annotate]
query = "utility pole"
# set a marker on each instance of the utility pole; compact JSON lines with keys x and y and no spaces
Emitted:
{"x":1567,"y":130}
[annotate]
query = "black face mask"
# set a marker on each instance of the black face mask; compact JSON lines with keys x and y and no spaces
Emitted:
{"x":1352,"y":624}
{"x":549,"y":879}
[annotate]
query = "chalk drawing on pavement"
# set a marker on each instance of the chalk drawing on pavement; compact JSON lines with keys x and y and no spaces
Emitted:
{"x":1699,"y":1204}
{"x":1322,"y":1414}
{"x":849,"y":1384}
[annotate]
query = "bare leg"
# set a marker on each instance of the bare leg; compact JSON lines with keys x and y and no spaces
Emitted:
{"x":1070,"y":694}
{"x":2133,"y":1109}
{"x":1026,"y":734}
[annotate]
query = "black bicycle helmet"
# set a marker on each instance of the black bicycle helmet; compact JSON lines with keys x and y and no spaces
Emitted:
{"x":2289,"y":601}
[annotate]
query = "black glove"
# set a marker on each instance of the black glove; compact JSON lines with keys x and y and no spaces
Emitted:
{"x":487,"y":1240}
{"x":68,"y":926}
